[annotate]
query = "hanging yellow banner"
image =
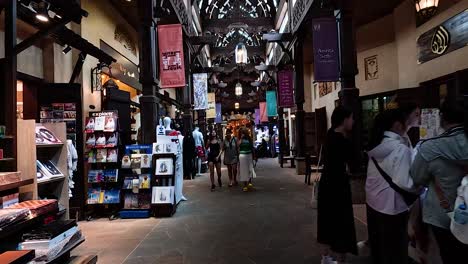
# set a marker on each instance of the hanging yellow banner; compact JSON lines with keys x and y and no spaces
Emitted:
{"x":211,"y":110}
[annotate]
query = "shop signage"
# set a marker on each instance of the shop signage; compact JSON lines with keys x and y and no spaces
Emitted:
{"x":123,"y":69}
{"x":219,"y":114}
{"x":200,"y":91}
{"x":171,"y":56}
{"x":286,"y":88}
{"x":445,"y":38}
{"x":211,"y":110}
{"x":257,"y":116}
{"x":326,"y":54}
{"x":271,"y":103}
{"x":263,"y":112}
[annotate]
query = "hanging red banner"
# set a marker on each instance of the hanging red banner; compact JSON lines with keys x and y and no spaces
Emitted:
{"x":171,"y":56}
{"x":263,"y":112}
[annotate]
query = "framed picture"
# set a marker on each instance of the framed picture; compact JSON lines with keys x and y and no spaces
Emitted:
{"x":162,"y":195}
{"x":164,"y":166}
{"x":146,"y":161}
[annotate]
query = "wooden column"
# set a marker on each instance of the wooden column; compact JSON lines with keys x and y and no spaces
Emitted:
{"x":299,"y":96}
{"x":349,"y":94}
{"x":148,"y":70}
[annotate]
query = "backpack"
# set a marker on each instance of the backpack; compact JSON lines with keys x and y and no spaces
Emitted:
{"x":459,"y":215}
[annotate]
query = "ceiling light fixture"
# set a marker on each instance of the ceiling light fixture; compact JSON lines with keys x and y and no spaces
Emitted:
{"x":66,"y":49}
{"x":238,"y":91}
{"x":236,"y":105}
{"x":426,"y":8}
{"x":42,"y":12}
{"x":241,"y":53}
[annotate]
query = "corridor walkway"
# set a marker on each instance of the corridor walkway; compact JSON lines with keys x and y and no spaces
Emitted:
{"x":274,"y":224}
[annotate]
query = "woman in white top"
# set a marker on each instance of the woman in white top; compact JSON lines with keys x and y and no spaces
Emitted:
{"x":387,"y":211}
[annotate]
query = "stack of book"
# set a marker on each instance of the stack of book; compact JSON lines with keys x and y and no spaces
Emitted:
{"x":51,"y":240}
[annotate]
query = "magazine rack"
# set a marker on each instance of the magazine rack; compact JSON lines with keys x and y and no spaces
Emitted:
{"x":164,"y":174}
{"x":137,"y":181}
{"x":102,"y":149}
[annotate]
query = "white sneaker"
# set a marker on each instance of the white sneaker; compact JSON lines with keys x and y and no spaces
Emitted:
{"x":328,"y":260}
{"x":363,"y":248}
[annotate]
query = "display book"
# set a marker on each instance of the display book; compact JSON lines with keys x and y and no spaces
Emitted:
{"x":102,"y":149}
{"x":136,"y":169}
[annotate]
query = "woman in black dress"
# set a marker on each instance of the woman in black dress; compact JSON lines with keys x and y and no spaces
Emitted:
{"x":214,"y":158}
{"x":335,"y":221}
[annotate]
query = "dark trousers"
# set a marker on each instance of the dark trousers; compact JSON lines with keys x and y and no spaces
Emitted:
{"x":388,"y":237}
{"x":451,"y":250}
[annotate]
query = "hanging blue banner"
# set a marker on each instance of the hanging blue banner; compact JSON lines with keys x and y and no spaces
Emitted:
{"x":326,"y":53}
{"x":271,"y":103}
{"x":219,"y":115}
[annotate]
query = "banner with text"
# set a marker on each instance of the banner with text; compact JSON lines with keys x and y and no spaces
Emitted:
{"x":211,"y":110}
{"x":219,"y":114}
{"x":263,"y":112}
{"x":171,"y":56}
{"x":200,"y":91}
{"x":271,"y":103}
{"x":286,"y":88}
{"x":326,"y":54}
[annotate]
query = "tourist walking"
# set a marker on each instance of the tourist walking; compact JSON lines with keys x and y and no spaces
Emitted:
{"x":231,"y":156}
{"x":214,"y":159}
{"x":335,"y":230}
{"x":388,"y":184}
{"x":246,"y":152}
{"x":440,"y":165}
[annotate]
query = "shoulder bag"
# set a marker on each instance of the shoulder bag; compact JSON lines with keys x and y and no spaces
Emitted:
{"x":408,"y":197}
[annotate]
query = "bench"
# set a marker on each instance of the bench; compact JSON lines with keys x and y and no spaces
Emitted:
{"x":286,"y":158}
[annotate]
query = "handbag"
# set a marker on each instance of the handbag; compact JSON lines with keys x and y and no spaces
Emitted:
{"x":408,"y":197}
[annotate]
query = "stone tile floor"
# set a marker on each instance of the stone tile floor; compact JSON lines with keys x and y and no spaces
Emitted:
{"x":274,"y":224}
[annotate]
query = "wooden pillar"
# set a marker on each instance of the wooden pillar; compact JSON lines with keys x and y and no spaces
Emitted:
{"x":9,"y":76}
{"x":148,"y":70}
{"x":187,"y":93}
{"x":349,"y":94}
{"x":299,"y":96}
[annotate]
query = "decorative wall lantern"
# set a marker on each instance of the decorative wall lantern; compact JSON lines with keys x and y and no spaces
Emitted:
{"x":426,"y":8}
{"x":236,"y":105}
{"x":241,"y":54}
{"x":238,"y":91}
{"x":96,"y":79}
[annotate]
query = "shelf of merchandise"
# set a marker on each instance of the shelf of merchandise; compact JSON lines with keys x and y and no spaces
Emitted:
{"x":58,"y":145}
{"x":14,"y":185}
{"x":7,"y":159}
{"x":7,"y":137}
{"x":57,"y":153}
{"x":51,"y":180}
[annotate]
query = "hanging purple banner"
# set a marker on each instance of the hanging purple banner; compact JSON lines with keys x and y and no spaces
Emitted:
{"x":326,"y":54}
{"x":285,"y":88}
{"x":219,"y":118}
{"x":257,"y":116}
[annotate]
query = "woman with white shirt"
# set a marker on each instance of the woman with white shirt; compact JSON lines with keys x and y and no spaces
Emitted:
{"x":387,"y":210}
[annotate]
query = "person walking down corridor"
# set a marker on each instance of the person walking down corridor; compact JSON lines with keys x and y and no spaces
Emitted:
{"x":440,"y":165}
{"x":335,"y":221}
{"x":214,"y":159}
{"x":387,"y":181}
{"x":246,"y":152}
{"x":231,"y":156}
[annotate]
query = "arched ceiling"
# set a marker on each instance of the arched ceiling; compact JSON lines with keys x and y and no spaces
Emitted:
{"x":219,"y":9}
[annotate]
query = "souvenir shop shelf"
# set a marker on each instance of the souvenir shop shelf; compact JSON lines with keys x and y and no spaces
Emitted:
{"x":163,"y":200}
{"x":46,"y":164}
{"x":136,"y":168}
{"x":14,"y":185}
{"x":102,"y":150}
